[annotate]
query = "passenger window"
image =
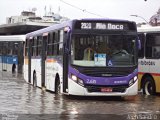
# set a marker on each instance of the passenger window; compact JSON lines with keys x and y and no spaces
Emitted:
{"x":141,"y":51}
{"x":153,"y":46}
{"x":39,"y":45}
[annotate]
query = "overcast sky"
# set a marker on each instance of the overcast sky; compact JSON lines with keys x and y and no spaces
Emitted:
{"x":120,"y":9}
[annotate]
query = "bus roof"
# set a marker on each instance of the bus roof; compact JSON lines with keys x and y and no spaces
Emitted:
{"x":148,"y":29}
{"x":13,"y":38}
{"x":69,"y":23}
{"x":104,"y":19}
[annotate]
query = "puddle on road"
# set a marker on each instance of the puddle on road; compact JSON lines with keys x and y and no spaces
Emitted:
{"x":18,"y":97}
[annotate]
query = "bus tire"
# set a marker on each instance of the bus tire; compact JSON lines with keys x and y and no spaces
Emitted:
{"x":13,"y":68}
{"x":34,"y":79}
{"x":57,"y":85}
{"x":149,"y":86}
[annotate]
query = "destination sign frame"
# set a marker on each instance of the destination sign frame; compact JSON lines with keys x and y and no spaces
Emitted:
{"x":86,"y":25}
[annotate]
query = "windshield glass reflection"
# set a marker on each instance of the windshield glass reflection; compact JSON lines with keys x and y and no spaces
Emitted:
{"x":98,"y":50}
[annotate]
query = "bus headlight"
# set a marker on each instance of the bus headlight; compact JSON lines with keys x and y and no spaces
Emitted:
{"x":132,"y":81}
{"x":74,"y":78}
{"x":77,"y":80}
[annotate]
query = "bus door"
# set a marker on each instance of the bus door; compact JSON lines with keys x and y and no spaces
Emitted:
{"x":66,"y":52}
{"x":43,"y":59}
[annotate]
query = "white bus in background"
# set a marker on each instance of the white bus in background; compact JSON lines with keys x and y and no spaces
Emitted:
{"x":11,"y":53}
{"x":149,"y":60}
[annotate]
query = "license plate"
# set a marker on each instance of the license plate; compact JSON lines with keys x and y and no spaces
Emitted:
{"x":106,"y":89}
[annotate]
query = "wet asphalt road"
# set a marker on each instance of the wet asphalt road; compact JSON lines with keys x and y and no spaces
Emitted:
{"x":21,"y":101}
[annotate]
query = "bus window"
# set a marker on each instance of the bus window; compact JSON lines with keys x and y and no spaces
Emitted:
{"x":15,"y":48}
{"x":60,"y":50}
{"x":9,"y":50}
{"x":34,"y":47}
{"x":53,"y":41}
{"x":39,"y":45}
{"x":141,"y":51}
{"x":56,"y":43}
{"x":49,"y":44}
{"x":152,"y":46}
{"x":26,"y":47}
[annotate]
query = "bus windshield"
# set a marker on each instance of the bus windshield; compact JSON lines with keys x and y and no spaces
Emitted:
{"x":103,"y":50}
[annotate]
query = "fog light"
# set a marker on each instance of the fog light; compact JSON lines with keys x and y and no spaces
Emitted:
{"x":80,"y":82}
{"x":131,"y":82}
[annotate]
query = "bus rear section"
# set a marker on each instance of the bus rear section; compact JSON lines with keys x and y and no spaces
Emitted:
{"x":148,"y":63}
{"x":89,"y":57}
{"x":11,"y":53}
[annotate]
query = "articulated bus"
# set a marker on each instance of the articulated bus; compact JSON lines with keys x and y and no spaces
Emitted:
{"x":11,"y":53}
{"x":86,"y":57}
{"x":149,"y":60}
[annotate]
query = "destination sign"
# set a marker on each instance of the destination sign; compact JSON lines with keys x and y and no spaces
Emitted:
{"x":109,"y":26}
{"x":102,"y":26}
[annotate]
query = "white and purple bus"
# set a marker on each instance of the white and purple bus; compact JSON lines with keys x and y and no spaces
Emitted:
{"x":86,"y":57}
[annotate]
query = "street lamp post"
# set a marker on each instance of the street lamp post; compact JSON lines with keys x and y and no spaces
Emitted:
{"x":140,"y":17}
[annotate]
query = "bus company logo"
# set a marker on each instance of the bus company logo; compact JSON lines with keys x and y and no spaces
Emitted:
{"x":147,"y":63}
{"x":120,"y":82}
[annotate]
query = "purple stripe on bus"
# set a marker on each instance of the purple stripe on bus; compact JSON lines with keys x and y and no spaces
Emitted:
{"x":103,"y":80}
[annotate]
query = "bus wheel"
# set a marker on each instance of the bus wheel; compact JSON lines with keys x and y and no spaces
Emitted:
{"x":149,"y":86}
{"x":57,"y":86}
{"x":34,"y":79}
{"x":13,"y":68}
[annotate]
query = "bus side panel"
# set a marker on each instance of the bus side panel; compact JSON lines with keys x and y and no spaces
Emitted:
{"x":142,"y":66}
{"x":157,"y":82}
{"x":142,"y":69}
{"x":155,"y":72}
{"x":26,"y":69}
{"x":50,"y":73}
{"x":36,"y":66}
{"x":10,"y":61}
{"x":53,"y":67}
{"x":149,"y":66}
{"x":38,"y":72}
{"x":139,"y":81}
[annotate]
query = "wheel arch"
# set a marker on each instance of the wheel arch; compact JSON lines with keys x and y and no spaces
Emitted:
{"x":34,"y":71}
{"x":146,"y":75}
{"x":57,"y":81}
{"x":13,"y":67}
{"x":33,"y":77}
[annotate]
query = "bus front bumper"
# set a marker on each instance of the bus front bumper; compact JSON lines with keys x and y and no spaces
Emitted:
{"x":76,"y":89}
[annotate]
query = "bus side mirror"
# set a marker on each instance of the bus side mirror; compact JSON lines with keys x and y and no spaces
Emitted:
{"x":139,"y":44}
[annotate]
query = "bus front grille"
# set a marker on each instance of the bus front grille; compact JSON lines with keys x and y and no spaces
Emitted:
{"x":113,"y":88}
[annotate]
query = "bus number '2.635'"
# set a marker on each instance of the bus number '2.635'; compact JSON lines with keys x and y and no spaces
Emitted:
{"x":91,"y":81}
{"x":85,"y":25}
